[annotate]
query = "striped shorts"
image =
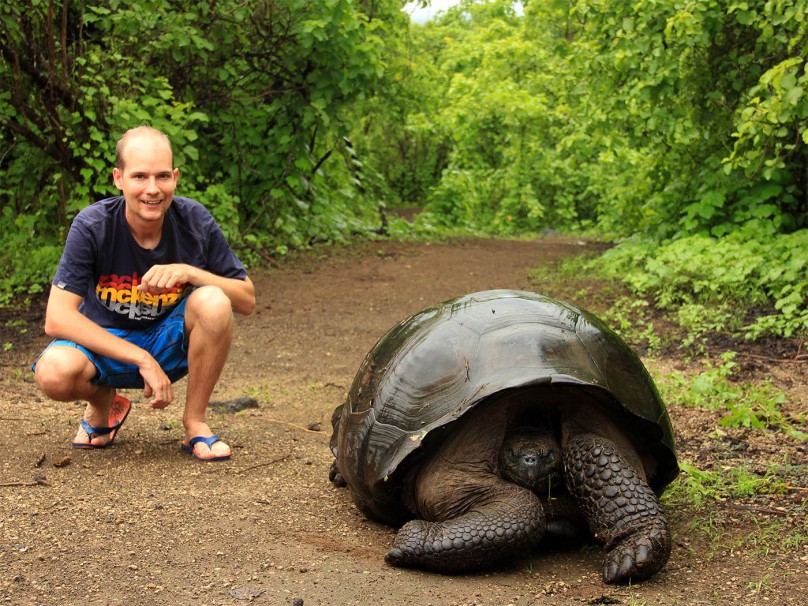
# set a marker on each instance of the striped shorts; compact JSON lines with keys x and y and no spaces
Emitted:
{"x":166,"y":341}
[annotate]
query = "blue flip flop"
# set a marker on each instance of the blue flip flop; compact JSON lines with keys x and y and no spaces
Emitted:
{"x":210,"y":441}
{"x":117,"y":415}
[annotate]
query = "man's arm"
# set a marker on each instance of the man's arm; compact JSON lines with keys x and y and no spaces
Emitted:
{"x":160,"y":277}
{"x":63,"y":320}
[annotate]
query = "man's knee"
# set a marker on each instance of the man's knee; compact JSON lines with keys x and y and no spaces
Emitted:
{"x":58,"y":371}
{"x":209,"y":305}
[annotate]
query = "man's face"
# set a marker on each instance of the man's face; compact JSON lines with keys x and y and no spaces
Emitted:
{"x":147,"y":180}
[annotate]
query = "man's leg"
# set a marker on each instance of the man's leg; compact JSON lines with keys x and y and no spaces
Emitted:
{"x":209,"y":326}
{"x":64,"y":373}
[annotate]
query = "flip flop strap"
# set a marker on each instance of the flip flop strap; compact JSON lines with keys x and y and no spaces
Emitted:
{"x":97,"y":431}
{"x":210,"y":441}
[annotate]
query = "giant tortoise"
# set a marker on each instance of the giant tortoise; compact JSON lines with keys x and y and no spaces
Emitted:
{"x":492,"y":420}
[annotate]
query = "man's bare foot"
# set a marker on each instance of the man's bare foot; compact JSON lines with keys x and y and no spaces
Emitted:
{"x":200,"y":441}
{"x":100,"y":425}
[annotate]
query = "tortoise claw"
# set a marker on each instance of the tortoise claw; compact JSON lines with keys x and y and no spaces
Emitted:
{"x":410,"y":546}
{"x":394,"y":557}
{"x":637,"y":557}
{"x":335,"y":477}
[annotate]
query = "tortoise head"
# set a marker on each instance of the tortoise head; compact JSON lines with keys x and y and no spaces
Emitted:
{"x":531,"y":457}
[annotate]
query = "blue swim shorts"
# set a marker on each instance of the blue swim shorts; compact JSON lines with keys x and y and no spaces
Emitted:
{"x":166,"y":341}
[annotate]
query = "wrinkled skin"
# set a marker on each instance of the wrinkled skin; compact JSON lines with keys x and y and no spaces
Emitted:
{"x":478,"y":501}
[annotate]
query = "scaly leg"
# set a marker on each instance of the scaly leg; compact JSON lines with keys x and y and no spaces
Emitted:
{"x":621,"y":509}
{"x":506,"y":523}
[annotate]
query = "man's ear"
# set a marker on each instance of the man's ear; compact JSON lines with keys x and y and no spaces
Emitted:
{"x":117,"y":177}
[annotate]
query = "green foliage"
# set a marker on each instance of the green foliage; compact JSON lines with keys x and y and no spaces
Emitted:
{"x":681,"y":120}
{"x":743,"y":405}
{"x":772,"y":122}
{"x":700,"y":487}
{"x":623,"y":317}
{"x":711,"y":282}
{"x":253,"y":95}
{"x":689,"y":81}
{"x":668,"y":117}
{"x":28,"y":267}
{"x":500,"y":110}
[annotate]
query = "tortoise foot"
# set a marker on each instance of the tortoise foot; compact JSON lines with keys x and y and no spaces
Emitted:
{"x":408,"y":548}
{"x":505,"y":528}
{"x":431,"y":546}
{"x":335,"y":477}
{"x":638,"y":557}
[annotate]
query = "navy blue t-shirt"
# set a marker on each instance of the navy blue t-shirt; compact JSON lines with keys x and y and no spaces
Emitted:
{"x":103,"y":263}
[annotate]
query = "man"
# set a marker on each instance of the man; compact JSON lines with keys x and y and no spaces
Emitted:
{"x":144,"y":294}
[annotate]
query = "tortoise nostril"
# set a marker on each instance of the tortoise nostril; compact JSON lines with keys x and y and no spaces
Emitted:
{"x":530,"y":460}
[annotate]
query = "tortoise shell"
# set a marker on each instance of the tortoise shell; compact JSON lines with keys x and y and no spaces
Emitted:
{"x":440,"y":364}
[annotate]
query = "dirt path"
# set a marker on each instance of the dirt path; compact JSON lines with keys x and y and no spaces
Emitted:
{"x":141,"y":523}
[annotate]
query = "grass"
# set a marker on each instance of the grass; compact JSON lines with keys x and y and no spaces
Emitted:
{"x":728,"y":512}
{"x":697,"y":488}
{"x":744,"y":405}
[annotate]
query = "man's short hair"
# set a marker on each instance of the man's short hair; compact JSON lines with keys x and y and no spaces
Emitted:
{"x":120,"y":147}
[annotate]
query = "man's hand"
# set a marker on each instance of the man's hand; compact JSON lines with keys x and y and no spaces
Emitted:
{"x":157,"y":385}
{"x":161,"y":278}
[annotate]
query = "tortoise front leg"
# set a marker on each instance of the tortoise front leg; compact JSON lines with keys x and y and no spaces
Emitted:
{"x":506,"y":524}
{"x":621,"y":509}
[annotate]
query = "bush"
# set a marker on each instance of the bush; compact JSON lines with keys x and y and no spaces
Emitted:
{"x":714,"y":284}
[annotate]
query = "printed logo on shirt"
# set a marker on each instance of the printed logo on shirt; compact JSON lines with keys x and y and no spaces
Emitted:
{"x":121,"y":295}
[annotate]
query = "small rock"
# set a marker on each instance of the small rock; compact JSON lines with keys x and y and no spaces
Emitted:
{"x":63,"y":462}
{"x":245,"y":593}
{"x":233,"y":406}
